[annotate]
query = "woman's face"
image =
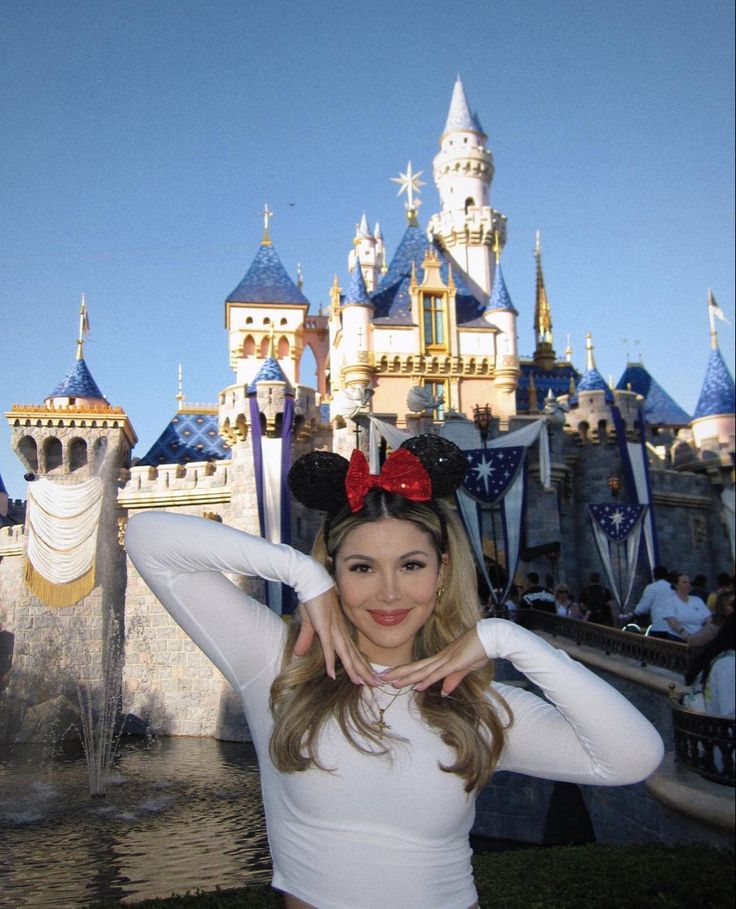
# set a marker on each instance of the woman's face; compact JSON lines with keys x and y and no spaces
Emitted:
{"x":683,"y":585}
{"x":388,"y":574}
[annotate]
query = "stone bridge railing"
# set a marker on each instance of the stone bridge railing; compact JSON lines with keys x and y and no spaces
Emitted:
{"x":646,"y":650}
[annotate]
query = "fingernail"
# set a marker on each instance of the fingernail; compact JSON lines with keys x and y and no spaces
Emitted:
{"x":443,"y":694}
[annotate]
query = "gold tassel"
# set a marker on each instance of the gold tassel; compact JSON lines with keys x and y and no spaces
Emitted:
{"x":59,"y":594}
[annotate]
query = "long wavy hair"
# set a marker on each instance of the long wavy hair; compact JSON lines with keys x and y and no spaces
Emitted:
{"x":472,"y":720}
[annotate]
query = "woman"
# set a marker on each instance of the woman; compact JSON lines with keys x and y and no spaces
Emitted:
{"x":722,"y":607}
{"x":370,"y":763}
{"x":713,"y":673}
{"x":683,"y":614}
{"x":565,"y":605}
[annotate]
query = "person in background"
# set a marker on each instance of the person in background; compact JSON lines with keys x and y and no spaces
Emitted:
{"x":565,"y":604}
{"x":597,"y":601}
{"x":681,"y":615}
{"x":713,"y":675}
{"x":723,"y":607}
{"x":652,"y":599}
{"x":700,"y":587}
{"x":723,"y":580}
{"x":537,"y":597}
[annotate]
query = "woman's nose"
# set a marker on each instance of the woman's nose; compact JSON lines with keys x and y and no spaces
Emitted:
{"x":389,"y":590}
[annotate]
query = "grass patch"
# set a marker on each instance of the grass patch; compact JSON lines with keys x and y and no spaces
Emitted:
{"x":554,"y":877}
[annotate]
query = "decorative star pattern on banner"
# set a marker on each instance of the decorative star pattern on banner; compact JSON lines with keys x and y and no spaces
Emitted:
{"x":491,"y":471}
{"x":616,"y":521}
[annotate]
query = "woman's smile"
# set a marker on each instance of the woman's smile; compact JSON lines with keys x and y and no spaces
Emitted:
{"x":394,"y":617}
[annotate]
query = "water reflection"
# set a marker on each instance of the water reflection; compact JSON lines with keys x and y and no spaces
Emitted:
{"x":180,"y":814}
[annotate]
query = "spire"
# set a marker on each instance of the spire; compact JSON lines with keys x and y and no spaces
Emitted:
{"x":542,"y":314}
{"x":83,"y":327}
{"x":544,"y":353}
{"x":500,"y":297}
{"x":357,"y":292}
{"x":267,"y":215}
{"x":568,"y":350}
{"x":180,"y":392}
{"x":589,"y":358}
{"x":460,"y":116}
{"x":718,"y":394}
{"x":592,"y":380}
{"x":299,"y":276}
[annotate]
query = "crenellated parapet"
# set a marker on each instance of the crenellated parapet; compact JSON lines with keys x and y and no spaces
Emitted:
{"x":175,"y":485}
{"x":12,"y":540}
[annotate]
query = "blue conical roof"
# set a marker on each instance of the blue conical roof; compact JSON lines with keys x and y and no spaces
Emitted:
{"x":659,"y":408}
{"x":269,"y":372}
{"x":460,"y":116}
{"x":592,"y":380}
{"x":357,"y":292}
{"x":267,"y":281}
{"x":718,"y":394}
{"x":500,"y":297}
{"x":189,"y":436}
{"x":77,"y":383}
{"x":392,"y":301}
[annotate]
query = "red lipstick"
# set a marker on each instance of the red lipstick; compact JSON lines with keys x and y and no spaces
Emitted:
{"x":392,"y":617}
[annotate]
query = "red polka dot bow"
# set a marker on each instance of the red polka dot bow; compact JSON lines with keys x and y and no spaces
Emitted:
{"x":403,"y":473}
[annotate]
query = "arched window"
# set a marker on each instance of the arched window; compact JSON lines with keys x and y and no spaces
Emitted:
{"x":28,"y":451}
{"x":77,"y":454}
{"x":100,"y":450}
{"x":283,"y":348}
{"x":469,"y":203}
{"x":265,"y":345}
{"x":249,"y":346}
{"x":52,"y":454}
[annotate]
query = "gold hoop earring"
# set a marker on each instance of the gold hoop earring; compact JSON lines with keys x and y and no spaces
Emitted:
{"x":440,"y":592}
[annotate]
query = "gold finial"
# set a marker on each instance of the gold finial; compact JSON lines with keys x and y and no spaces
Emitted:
{"x":568,"y":351}
{"x":180,"y":392}
{"x":299,"y":276}
{"x":589,"y":359}
{"x":83,"y":327}
{"x":496,"y":245}
{"x":267,"y":215}
{"x":271,"y":346}
{"x":335,"y":293}
{"x":572,"y":385}
{"x":533,"y":401}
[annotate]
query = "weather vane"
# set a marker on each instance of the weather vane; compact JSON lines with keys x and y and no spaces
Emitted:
{"x":267,"y":215}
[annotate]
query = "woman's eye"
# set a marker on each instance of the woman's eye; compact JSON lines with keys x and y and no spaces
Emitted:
{"x":359,"y":568}
{"x":413,"y":566}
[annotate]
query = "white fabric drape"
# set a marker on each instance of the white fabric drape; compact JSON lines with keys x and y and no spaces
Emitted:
{"x":62,"y":539}
{"x":271,"y":461}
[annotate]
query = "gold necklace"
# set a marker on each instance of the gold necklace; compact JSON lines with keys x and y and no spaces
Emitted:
{"x":380,"y":723}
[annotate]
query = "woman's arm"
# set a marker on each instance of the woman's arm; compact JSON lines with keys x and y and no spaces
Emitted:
{"x":183,"y":560}
{"x":585,"y":732}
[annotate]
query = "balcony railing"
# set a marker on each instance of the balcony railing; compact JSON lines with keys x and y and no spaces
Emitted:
{"x":646,"y":650}
{"x":705,"y":743}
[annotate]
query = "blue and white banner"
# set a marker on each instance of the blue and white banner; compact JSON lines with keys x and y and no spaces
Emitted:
{"x":617,"y":534}
{"x":635,"y":461}
{"x":271,"y":462}
{"x":491,"y":471}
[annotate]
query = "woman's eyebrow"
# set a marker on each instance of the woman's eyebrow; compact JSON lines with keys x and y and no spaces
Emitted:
{"x":405,"y":555}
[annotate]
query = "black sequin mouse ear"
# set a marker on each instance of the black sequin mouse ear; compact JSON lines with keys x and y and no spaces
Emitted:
{"x":317,"y":480}
{"x":445,"y":463}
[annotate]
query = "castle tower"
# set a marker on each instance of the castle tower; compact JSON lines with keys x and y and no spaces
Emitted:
{"x":502,"y":314}
{"x":714,"y":420}
{"x":544,"y":352}
{"x":265,"y":301}
{"x":368,"y":250}
{"x":68,"y":614}
{"x":463,"y":170}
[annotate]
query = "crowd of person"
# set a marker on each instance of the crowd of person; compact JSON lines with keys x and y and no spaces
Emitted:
{"x":671,"y":607}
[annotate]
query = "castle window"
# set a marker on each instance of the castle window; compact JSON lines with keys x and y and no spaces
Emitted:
{"x":28,"y":451}
{"x":53,"y":454}
{"x":249,"y":320}
{"x":283,"y":322}
{"x":438,"y":389}
{"x":469,"y":203}
{"x":434,"y":315}
{"x":77,"y":454}
{"x":249,"y":346}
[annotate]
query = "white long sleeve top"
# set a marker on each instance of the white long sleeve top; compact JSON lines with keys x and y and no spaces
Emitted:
{"x":377,"y":832}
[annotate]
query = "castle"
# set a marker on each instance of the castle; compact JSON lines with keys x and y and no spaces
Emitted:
{"x":417,"y":340}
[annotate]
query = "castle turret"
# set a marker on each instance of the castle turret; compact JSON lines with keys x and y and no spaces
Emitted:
{"x":368,"y":250}
{"x":463,"y":170}
{"x":714,"y":420}
{"x":502,"y":314}
{"x":353,"y":339}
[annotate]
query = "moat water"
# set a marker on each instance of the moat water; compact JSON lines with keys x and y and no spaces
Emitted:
{"x":180,"y":814}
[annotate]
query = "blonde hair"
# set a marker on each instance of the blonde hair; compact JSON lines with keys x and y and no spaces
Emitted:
{"x":303,"y":698}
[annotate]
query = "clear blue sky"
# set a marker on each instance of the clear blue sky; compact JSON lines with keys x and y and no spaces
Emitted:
{"x":140,"y":141}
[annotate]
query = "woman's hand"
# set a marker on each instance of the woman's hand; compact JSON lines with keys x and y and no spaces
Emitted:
{"x":451,"y":664}
{"x":324,"y":616}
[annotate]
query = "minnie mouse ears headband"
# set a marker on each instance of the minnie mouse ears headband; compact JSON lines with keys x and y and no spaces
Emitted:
{"x":423,"y":468}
